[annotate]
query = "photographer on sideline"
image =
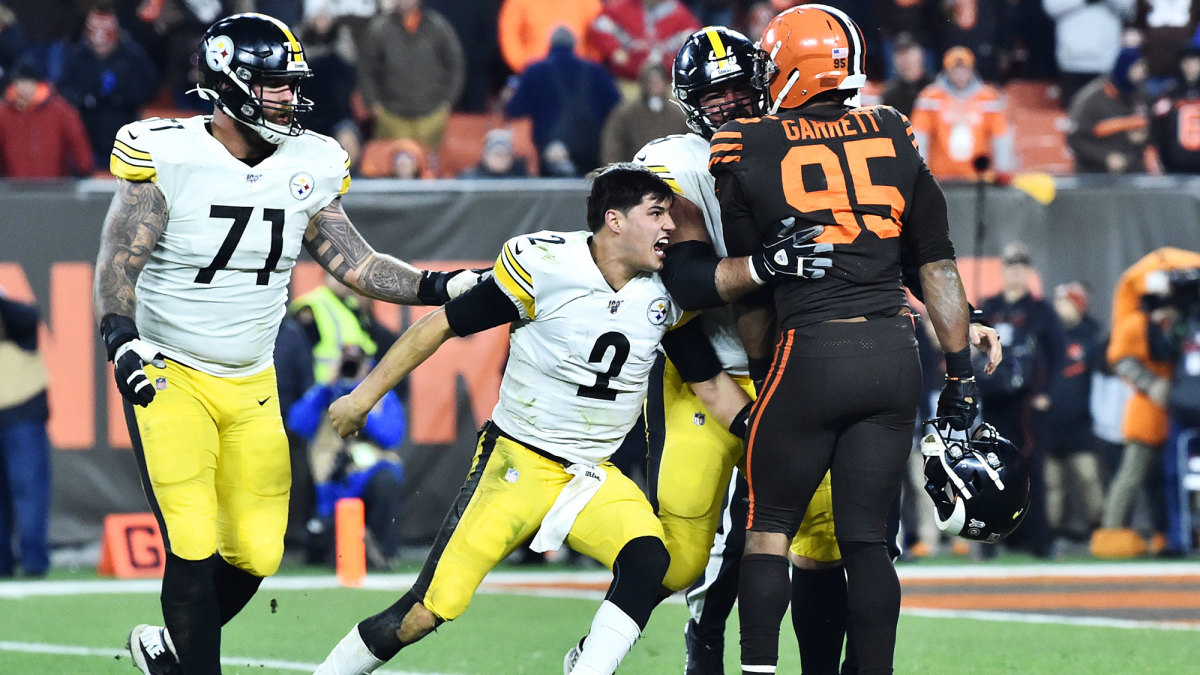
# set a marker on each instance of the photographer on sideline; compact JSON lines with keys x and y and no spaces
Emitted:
{"x":1145,"y":427}
{"x":364,"y":466}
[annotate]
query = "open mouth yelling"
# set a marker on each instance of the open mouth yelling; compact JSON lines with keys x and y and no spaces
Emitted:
{"x":660,"y":247}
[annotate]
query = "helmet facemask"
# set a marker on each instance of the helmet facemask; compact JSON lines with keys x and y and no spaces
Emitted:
{"x":706,"y":118}
{"x":713,"y":63}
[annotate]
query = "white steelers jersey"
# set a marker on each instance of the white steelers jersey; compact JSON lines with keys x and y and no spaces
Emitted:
{"x":579,"y":359}
{"x":215,"y":289}
{"x":682,"y":161}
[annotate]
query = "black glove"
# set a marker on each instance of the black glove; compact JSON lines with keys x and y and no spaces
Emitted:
{"x":791,"y":254}
{"x":438,"y":288}
{"x":740,"y":426}
{"x":129,"y":356}
{"x":959,"y":402}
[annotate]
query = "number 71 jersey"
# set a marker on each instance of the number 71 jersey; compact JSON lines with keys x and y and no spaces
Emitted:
{"x":215,"y":289}
{"x":580,"y":356}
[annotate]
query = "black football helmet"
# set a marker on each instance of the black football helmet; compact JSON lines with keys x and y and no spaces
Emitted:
{"x":242,"y":51}
{"x":715,"y":59}
{"x":979,"y":485}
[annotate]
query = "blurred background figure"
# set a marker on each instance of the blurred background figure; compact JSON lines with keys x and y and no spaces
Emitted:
{"x":108,"y":77}
{"x":525,"y":27}
{"x":364,"y":465}
{"x":24,"y":446}
{"x":1073,"y":473}
{"x":41,"y":135}
{"x":910,"y":77}
{"x":1087,"y":39}
{"x":1109,"y":130}
{"x":12,"y":42}
{"x":329,"y":48}
{"x":637,"y":122}
{"x":1175,"y":121}
{"x":628,"y":32}
{"x":410,"y":73}
{"x":569,"y":99}
{"x":959,"y":118}
{"x":498,"y":159}
{"x":410,"y":161}
{"x":1021,"y":385}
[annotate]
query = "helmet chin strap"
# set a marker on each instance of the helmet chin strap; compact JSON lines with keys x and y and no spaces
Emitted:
{"x":787,"y":87}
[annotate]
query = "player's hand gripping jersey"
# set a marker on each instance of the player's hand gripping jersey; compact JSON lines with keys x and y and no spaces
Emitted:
{"x":855,"y":171}
{"x":215,"y":288}
{"x":580,"y":357}
{"x":682,"y":161}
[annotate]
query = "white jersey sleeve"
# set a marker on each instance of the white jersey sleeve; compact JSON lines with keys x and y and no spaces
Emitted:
{"x":682,"y":161}
{"x":580,"y":357}
{"x":215,"y":288}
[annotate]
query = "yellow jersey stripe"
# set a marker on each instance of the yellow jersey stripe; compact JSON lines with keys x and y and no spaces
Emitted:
{"x":130,"y":151}
{"x":511,"y":259}
{"x":345,"y":185}
{"x":122,"y":169}
{"x":515,"y":288}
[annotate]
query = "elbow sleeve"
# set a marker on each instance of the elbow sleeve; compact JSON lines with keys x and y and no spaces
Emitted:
{"x":690,"y":274}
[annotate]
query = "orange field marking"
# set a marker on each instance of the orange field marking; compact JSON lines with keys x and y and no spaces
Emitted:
{"x":1054,"y":601}
{"x":1175,"y":580}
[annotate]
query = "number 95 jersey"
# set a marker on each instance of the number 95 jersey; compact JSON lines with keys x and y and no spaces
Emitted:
{"x":215,"y":288}
{"x":580,"y":356}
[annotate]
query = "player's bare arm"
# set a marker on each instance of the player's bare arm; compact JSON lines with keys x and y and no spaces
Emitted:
{"x":722,"y":396}
{"x":946,"y":302}
{"x":348,"y":414}
{"x":332,"y":240}
{"x":136,"y":219}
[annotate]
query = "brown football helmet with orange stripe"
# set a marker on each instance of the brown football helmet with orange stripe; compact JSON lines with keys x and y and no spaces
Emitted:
{"x":807,"y":50}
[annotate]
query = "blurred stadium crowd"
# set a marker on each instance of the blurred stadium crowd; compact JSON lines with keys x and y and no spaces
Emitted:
{"x":498,"y":88}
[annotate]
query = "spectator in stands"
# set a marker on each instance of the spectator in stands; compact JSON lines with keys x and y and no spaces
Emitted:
{"x":498,"y":159}
{"x":628,"y":32}
{"x":363,"y":466}
{"x":49,"y":26}
{"x":293,"y":359}
{"x":24,"y":446}
{"x":635,"y":123}
{"x":756,"y":18}
{"x":12,"y":42}
{"x":484,"y":72}
{"x":410,"y":73}
{"x":410,"y":161}
{"x":1166,"y":26}
{"x":1072,"y":465}
{"x":919,"y":19}
{"x":526,"y":26}
{"x":958,"y":118}
{"x":1175,"y":118}
{"x":908,"y":64}
{"x":1032,"y":339}
{"x":569,"y":99}
{"x":108,"y":78}
{"x":1109,"y":131}
{"x":1145,"y":427}
{"x":1087,"y":39}
{"x":1032,"y":47}
{"x":981,"y":26}
{"x":41,"y":135}
{"x":330,"y":51}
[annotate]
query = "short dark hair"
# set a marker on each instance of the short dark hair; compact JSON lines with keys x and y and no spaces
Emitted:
{"x":623,"y":186}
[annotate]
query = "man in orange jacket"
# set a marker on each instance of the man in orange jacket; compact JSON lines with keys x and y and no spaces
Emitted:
{"x":1145,"y":425}
{"x":526,"y":25}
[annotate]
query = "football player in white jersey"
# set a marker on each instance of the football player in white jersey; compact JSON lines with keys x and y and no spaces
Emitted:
{"x":191,"y":284}
{"x":586,"y":313}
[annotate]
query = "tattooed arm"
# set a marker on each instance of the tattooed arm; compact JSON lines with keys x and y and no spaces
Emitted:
{"x":136,"y":219}
{"x":333,"y":242}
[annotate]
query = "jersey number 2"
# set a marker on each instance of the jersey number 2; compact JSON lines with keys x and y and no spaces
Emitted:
{"x":600,"y":389}
{"x":241,"y":217}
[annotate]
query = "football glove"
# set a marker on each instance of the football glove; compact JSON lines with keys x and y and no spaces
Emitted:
{"x":791,"y":254}
{"x":959,"y":402}
{"x":438,"y":288}
{"x":129,"y":356}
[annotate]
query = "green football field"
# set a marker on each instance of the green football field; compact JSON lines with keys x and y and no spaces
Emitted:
{"x":523,"y":623}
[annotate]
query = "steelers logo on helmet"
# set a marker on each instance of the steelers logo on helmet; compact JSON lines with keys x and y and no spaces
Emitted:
{"x":657,"y":311}
{"x":218,"y":52}
{"x":302,"y":185}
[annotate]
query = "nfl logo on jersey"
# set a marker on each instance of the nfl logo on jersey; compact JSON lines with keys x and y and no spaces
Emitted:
{"x":698,"y":419}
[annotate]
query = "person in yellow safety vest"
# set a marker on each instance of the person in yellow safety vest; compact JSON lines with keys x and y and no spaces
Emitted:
{"x":333,"y":316}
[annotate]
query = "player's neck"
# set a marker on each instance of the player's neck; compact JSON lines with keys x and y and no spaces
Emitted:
{"x":616,"y":272}
{"x":240,"y":141}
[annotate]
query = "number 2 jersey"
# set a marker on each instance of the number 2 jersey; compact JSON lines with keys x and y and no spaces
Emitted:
{"x":682,"y":161}
{"x":215,"y":288}
{"x":857,"y":172}
{"x":580,"y":355}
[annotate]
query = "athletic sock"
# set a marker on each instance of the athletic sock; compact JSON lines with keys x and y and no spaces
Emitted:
{"x":819,"y":617}
{"x":349,"y":657}
{"x":873,"y":598}
{"x":611,"y":637}
{"x":192,"y":614}
{"x":234,"y":587}
{"x":762,"y":601}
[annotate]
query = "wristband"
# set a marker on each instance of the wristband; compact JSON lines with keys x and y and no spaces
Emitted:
{"x":754,"y":272}
{"x":958,"y":364}
{"x":741,"y":421}
{"x":431,"y":290}
{"x":116,"y":330}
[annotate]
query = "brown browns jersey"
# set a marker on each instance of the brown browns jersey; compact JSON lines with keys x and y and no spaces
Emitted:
{"x":855,"y":171}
